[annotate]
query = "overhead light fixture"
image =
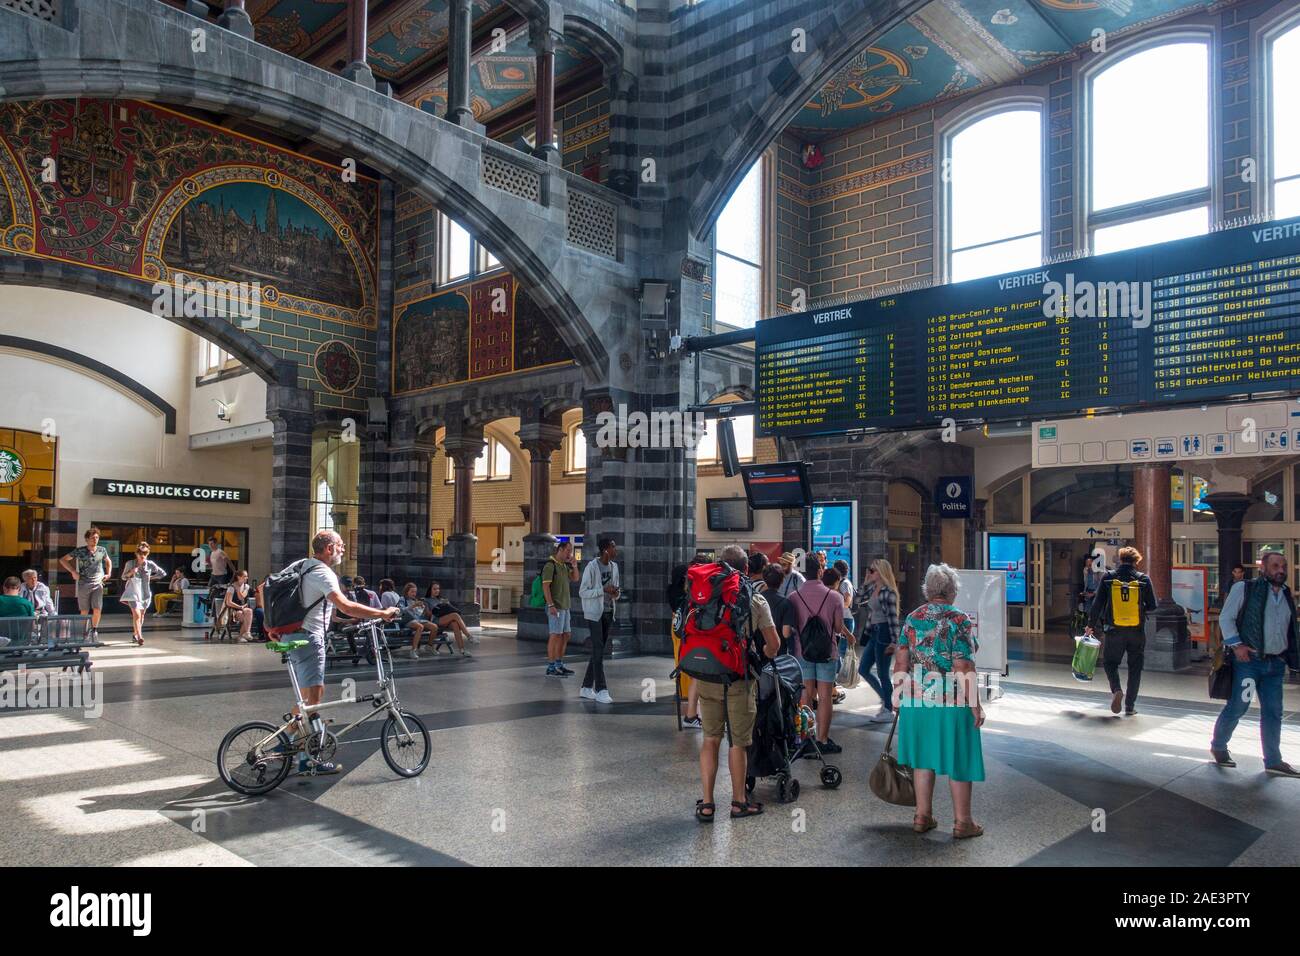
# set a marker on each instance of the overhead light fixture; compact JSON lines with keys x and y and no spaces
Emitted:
{"x":654,"y":297}
{"x":223,"y":410}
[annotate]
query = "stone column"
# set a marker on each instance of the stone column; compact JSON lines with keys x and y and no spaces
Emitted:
{"x":358,"y":70}
{"x":1170,"y":649}
{"x":541,"y":436}
{"x":410,"y":462}
{"x":461,"y":33}
{"x":624,"y":168}
{"x":461,"y":552}
{"x":235,"y":19}
{"x":543,"y":40}
{"x":290,"y":410}
{"x":1229,"y":511}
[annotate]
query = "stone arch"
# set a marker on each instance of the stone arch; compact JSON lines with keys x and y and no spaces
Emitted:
{"x":51,"y":274}
{"x":143,"y":51}
{"x":769,"y":94}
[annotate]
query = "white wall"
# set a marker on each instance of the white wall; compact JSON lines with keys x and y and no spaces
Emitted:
{"x":767,"y":524}
{"x":105,"y":431}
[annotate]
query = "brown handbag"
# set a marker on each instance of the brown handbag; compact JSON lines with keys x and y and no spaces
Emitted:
{"x":889,"y":780}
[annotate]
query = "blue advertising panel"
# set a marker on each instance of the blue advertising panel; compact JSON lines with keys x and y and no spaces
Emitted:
{"x":834,"y":525}
{"x":1010,"y":553}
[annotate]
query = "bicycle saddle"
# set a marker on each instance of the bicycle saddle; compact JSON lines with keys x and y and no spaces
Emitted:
{"x":283,"y":647}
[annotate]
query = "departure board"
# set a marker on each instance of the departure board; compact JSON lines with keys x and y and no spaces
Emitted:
{"x":1211,"y":317}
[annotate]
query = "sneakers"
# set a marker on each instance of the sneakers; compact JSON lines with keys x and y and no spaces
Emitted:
{"x":587,"y":693}
{"x":883,"y":716}
{"x":692,"y":723}
{"x":551,"y":670}
{"x":464,"y":653}
{"x":1131,"y":712}
{"x":1282,"y":770}
{"x":1222,"y":758}
{"x":473,"y":638}
{"x":413,"y":653}
{"x":830,"y":747}
{"x":564,"y":671}
{"x":604,"y":698}
{"x":308,"y":767}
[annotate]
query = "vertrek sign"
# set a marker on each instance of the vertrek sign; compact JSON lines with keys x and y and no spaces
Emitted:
{"x":120,"y":488}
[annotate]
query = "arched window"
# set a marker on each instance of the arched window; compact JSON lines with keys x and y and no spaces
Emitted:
{"x":994,"y":196}
{"x":577,"y":449}
{"x":324,"y":505}
{"x":1284,"y":92}
{"x":493,"y":463}
{"x":1149,"y":147}
{"x":738,"y":254}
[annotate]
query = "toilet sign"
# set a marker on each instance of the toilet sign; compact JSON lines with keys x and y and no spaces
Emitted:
{"x":952,"y":495}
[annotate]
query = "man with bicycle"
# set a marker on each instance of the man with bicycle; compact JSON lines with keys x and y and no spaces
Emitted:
{"x":320,"y":589}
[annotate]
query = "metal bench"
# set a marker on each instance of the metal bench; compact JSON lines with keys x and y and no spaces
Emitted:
{"x":55,"y":641}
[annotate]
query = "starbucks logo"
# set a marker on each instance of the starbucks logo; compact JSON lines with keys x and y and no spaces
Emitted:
{"x":11,"y":466}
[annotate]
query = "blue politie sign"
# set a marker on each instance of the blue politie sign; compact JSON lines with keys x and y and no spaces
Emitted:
{"x":953,"y":496}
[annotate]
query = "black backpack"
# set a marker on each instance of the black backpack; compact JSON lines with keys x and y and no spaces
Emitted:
{"x":815,"y":641}
{"x":282,"y":604}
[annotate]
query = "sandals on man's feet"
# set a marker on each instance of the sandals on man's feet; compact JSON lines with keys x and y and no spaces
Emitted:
{"x":746,"y":809}
{"x":704,"y":812}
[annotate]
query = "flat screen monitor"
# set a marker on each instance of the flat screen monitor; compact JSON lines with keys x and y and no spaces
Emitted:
{"x":729,"y":514}
{"x":780,"y":485}
{"x":1010,"y":553}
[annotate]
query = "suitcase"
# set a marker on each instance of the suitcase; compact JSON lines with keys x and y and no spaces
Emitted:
{"x":1086,"y":651}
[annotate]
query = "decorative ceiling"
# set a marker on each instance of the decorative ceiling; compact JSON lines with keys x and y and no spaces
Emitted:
{"x":408,"y":37}
{"x":952,"y":47}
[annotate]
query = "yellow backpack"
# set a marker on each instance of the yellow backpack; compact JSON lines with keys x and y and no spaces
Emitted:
{"x":1125,"y":602}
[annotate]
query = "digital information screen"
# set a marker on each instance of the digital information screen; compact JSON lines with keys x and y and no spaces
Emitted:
{"x":729,"y":514}
{"x":781,"y":485}
{"x":1010,"y":553}
{"x":1211,"y":317}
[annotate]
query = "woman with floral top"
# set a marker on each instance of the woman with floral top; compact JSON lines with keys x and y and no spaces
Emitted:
{"x":939,"y":712}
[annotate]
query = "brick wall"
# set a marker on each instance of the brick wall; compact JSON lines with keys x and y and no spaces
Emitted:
{"x":582,"y":125}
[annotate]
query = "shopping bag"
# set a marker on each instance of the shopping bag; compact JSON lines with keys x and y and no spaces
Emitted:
{"x":848,"y":676}
{"x":1086,"y":651}
{"x":1220,"y":675}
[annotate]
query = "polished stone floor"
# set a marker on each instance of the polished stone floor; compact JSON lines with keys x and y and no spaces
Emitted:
{"x":524,"y":772}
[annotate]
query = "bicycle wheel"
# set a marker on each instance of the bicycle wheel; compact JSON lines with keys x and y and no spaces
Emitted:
{"x":408,"y":757}
{"x":242,"y":770}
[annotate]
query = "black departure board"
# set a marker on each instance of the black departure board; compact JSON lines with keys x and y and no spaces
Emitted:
{"x":1211,"y":317}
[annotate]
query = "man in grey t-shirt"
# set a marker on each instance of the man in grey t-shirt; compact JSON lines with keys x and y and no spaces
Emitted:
{"x":320,"y":586}
{"x":89,"y":565}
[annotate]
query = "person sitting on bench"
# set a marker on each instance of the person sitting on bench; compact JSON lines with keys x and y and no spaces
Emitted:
{"x":443,"y":613}
{"x":414,"y":618}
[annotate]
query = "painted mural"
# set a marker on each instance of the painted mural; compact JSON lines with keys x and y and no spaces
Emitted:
{"x":460,"y":335}
{"x":143,"y":191}
{"x":952,"y":47}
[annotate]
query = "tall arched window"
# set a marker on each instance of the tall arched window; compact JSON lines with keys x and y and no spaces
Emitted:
{"x":738,"y":254}
{"x":324,"y":505}
{"x":1149,"y":142}
{"x":1284,"y":92}
{"x":994,"y":196}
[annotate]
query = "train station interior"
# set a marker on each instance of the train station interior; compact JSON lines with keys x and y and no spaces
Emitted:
{"x":488,"y":296}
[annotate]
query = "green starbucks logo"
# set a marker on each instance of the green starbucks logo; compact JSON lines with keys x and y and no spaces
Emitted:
{"x":11,"y":466}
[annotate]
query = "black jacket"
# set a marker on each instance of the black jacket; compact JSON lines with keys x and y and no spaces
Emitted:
{"x":1099,"y":613}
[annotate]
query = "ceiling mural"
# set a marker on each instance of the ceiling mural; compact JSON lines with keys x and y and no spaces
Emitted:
{"x":951,"y":47}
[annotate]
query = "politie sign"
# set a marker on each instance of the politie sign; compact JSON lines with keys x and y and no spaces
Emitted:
{"x":121,"y":488}
{"x":952,"y":496}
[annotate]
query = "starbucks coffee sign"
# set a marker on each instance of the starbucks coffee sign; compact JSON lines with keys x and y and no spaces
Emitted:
{"x":12,"y":465}
{"x":120,"y":488}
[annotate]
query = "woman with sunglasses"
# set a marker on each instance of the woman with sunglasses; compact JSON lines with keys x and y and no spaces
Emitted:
{"x":138,"y":573}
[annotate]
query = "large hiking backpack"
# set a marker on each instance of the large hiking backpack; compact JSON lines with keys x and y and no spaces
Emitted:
{"x":282,"y":603}
{"x":816,"y":645}
{"x":1126,"y":602}
{"x":715,"y":648}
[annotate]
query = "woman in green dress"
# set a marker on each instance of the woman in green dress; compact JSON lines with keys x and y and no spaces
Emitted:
{"x":939,"y":713}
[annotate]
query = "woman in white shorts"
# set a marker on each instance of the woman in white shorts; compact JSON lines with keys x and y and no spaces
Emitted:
{"x":137,"y":573}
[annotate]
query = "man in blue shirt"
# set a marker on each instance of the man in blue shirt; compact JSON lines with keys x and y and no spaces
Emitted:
{"x":1259,"y":630}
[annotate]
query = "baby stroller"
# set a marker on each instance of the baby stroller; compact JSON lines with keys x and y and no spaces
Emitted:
{"x":780,"y":730}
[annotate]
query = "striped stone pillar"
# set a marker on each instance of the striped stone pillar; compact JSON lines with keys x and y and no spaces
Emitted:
{"x":290,"y":410}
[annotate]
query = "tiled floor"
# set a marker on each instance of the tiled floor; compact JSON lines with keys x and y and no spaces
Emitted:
{"x":524,"y":772}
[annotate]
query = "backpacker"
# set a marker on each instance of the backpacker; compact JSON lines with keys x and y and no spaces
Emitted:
{"x":1126,"y":602}
{"x":536,"y":596}
{"x":282,"y":604}
{"x":715,"y":648}
{"x":815,"y":643}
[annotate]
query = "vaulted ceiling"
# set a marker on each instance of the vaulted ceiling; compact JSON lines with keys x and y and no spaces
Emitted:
{"x":952,"y":47}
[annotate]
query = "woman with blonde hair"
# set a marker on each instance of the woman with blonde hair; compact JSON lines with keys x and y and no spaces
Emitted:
{"x":939,"y":720}
{"x":878,"y":605}
{"x":138,"y":573}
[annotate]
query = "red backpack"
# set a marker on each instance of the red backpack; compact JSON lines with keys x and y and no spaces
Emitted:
{"x":715,"y":648}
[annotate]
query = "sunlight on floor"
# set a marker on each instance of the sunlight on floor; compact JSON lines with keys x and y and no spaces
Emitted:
{"x":31,"y":763}
{"x":35,"y":725}
{"x":102,"y":809}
